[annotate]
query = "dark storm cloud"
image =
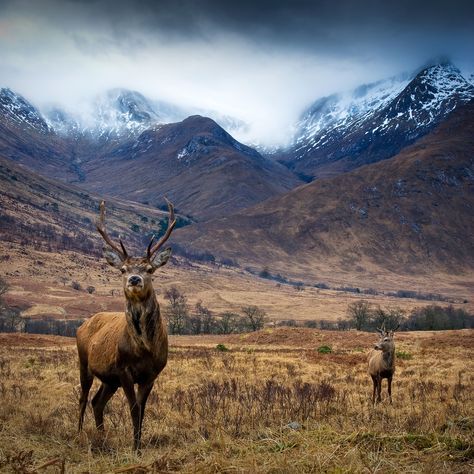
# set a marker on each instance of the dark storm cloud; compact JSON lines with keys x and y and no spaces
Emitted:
{"x":334,"y":26}
{"x":263,"y":61}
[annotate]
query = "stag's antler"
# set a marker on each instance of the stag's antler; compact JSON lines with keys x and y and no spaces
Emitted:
{"x":152,"y":249}
{"x":121,"y":251}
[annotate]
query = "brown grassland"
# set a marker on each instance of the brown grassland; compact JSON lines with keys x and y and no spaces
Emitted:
{"x":270,"y":403}
{"x":40,"y":284}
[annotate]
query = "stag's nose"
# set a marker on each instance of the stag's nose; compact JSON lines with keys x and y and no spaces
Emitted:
{"x":134,"y":280}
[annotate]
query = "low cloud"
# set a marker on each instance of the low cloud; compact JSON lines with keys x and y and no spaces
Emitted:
{"x":261,"y":62}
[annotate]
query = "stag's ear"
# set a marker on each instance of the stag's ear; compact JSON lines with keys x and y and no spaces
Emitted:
{"x":113,"y":259}
{"x":161,"y":258}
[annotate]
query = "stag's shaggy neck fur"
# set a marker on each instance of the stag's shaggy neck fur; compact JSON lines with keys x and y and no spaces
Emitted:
{"x":144,"y":319}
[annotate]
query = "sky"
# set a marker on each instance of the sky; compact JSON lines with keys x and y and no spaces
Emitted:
{"x":263,"y":62}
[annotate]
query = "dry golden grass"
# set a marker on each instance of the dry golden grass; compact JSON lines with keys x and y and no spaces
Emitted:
{"x":213,"y":411}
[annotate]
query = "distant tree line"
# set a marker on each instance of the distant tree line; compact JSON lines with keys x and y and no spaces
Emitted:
{"x":184,"y":319}
{"x":362,"y":316}
{"x":199,"y":319}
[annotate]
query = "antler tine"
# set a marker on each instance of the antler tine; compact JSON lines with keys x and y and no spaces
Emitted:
{"x":100,"y":225}
{"x":171,"y":224}
{"x":148,"y":254}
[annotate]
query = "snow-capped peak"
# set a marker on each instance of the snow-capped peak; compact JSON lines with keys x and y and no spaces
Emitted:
{"x":20,"y":112}
{"x":419,"y":100}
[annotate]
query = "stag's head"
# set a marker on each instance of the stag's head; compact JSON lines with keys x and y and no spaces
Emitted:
{"x":136,"y":272}
{"x":386,"y":342}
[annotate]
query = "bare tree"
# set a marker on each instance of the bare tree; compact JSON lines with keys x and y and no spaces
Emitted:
{"x":254,"y":317}
{"x":177,"y":310}
{"x":359,"y":314}
{"x":391,"y":317}
{"x":10,"y":319}
{"x":228,"y":322}
{"x":207,"y":318}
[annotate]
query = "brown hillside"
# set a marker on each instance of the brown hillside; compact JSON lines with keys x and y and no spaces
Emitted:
{"x":50,"y":215}
{"x":410,"y":215}
{"x":196,"y":163}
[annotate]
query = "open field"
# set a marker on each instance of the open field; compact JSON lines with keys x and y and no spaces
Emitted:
{"x":40,"y":284}
{"x":271,"y":403}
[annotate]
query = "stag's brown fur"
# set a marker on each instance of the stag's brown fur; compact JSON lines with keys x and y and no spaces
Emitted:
{"x":124,"y":349}
{"x":381,"y":362}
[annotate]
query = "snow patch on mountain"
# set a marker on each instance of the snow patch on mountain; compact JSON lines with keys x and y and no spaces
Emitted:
{"x":18,"y":111}
{"x":419,"y":101}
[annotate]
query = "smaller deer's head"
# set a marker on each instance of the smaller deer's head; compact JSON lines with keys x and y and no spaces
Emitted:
{"x":386,"y":342}
{"x":136,"y":272}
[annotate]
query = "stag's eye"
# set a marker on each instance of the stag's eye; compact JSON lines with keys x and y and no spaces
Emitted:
{"x":149,"y":270}
{"x":123,"y":269}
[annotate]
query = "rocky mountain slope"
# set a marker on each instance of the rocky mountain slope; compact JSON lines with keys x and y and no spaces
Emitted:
{"x":412,"y":214}
{"x":51,"y":215}
{"x":344,"y":131}
{"x":203,"y":169}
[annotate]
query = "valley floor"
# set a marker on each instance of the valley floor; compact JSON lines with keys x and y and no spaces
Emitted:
{"x":41,"y":285}
{"x":271,"y":403}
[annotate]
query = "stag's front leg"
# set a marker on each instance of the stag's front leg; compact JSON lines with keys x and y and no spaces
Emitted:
{"x":142,"y":396}
{"x":389,"y":381}
{"x":127,"y":385}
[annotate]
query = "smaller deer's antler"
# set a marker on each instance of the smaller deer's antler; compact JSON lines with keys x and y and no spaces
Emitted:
{"x":152,"y":249}
{"x":121,"y":251}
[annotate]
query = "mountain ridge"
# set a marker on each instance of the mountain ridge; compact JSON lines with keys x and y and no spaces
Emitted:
{"x":388,"y":116}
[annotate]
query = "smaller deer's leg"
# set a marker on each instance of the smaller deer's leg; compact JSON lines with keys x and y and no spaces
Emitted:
{"x":103,"y":395}
{"x":142,"y":397}
{"x":379,"y":389}
{"x":389,"y":381}
{"x":127,"y":385}
{"x":374,"y":382}
{"x":86,"y":383}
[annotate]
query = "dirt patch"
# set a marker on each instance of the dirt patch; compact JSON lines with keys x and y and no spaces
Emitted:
{"x":34,"y":340}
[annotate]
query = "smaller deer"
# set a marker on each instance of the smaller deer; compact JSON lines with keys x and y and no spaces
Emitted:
{"x":381,"y":361}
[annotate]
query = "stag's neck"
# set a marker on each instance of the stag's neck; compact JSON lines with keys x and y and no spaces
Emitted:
{"x":144,"y":321}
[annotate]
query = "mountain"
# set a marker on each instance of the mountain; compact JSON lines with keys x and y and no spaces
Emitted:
{"x":51,"y":215}
{"x":196,"y":163}
{"x":202,"y":168}
{"x":25,"y":137}
{"x":16,"y":110}
{"x":409,"y":215}
{"x":374,"y":122}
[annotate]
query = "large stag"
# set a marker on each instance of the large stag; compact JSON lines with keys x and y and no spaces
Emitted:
{"x":382,"y":363}
{"x":124,"y":349}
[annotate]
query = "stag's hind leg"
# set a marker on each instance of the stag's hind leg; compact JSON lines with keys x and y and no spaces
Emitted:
{"x":86,"y":382}
{"x":103,"y":395}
